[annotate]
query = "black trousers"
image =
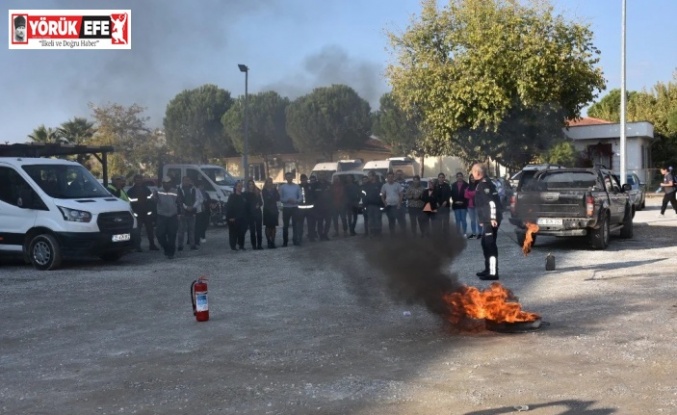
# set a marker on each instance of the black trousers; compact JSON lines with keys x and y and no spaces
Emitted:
{"x":290,"y":214}
{"x":669,"y":197}
{"x":305,"y":215}
{"x":236,"y":232}
{"x":427,"y":219}
{"x":393,"y":213}
{"x":489,"y":248}
{"x":442,"y":215}
{"x":415,"y":218}
{"x":146,"y":221}
{"x":256,"y":229}
{"x":167,"y":228}
{"x":201,"y":225}
{"x":353,"y":213}
{"x":322,"y":221}
{"x":339,"y":212}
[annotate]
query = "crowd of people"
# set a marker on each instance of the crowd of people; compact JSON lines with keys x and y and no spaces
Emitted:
{"x":314,"y":207}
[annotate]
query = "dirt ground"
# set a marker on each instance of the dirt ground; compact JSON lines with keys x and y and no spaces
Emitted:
{"x":292,"y":334}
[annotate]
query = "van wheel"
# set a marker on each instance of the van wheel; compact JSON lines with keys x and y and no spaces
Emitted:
{"x":599,"y":238}
{"x":44,"y":252}
{"x":626,"y":230}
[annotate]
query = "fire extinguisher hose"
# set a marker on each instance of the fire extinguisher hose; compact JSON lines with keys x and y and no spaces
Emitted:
{"x":192,"y":295}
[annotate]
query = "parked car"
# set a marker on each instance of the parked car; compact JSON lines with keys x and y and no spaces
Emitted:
{"x":637,"y":193}
{"x":504,"y":190}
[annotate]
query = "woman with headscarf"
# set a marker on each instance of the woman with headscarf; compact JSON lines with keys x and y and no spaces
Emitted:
{"x":271,"y":214}
{"x":254,"y":204}
{"x":472,"y":212}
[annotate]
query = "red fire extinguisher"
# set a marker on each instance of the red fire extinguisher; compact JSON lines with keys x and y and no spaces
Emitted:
{"x":198,"y":296}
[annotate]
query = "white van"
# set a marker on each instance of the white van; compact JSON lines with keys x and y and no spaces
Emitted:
{"x":54,"y":209}
{"x":218,"y":182}
{"x":349,"y":165}
{"x":324,"y":170}
{"x":408,"y":166}
{"x":380,"y":167}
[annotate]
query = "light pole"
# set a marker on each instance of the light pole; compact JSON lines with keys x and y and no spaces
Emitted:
{"x":623,"y":99}
{"x":245,"y":152}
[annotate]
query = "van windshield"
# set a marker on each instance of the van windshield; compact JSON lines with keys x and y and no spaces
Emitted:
{"x":219,"y":175}
{"x":66,"y":181}
{"x":407,"y":168}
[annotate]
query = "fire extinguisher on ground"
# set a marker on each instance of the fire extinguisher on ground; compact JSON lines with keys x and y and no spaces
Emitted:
{"x":198,"y":296}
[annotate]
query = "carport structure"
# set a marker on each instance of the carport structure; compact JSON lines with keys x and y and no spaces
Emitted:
{"x":57,"y":150}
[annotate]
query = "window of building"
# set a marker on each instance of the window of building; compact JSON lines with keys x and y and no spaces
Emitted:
{"x":257,"y":172}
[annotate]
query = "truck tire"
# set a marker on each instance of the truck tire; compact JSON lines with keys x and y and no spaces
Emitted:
{"x":599,"y":238}
{"x":522,"y":236}
{"x":44,"y":252}
{"x":627,"y":229}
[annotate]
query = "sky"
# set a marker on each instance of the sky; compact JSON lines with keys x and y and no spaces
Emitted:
{"x":290,"y":46}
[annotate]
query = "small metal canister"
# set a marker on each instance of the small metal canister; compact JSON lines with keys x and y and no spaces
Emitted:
{"x":550,"y":262}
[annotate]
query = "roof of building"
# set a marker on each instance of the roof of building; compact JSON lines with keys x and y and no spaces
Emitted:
{"x":587,"y":121}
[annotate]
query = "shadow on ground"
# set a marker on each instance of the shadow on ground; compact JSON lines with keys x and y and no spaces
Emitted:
{"x":571,"y":407}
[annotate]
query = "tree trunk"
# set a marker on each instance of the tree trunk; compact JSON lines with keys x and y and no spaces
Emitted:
{"x":422,"y":165}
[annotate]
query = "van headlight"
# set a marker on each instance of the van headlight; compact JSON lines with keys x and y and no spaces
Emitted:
{"x":73,"y":215}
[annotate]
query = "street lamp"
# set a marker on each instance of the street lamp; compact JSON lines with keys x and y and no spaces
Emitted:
{"x":245,"y":152}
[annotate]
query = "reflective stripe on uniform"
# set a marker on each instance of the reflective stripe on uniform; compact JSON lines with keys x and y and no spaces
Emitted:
{"x":167,"y":193}
{"x":305,"y":206}
{"x":492,"y":265}
{"x":492,"y":207}
{"x":133,"y":200}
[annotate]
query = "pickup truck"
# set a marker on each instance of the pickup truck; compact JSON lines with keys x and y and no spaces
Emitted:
{"x":573,"y":202}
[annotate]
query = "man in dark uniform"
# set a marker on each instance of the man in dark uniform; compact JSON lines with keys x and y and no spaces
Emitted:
{"x":140,"y":197}
{"x":443,"y":191}
{"x":668,"y":186}
{"x":489,"y":215}
{"x":322,"y":209}
{"x":306,"y":208}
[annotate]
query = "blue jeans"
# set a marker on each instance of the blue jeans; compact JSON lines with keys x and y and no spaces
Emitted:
{"x":460,"y":216}
{"x":474,"y":226}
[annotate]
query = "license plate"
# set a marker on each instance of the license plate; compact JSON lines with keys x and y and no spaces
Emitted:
{"x":548,"y":221}
{"x":122,"y":237}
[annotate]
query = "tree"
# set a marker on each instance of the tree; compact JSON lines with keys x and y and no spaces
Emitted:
{"x":193,"y":123}
{"x":77,"y":131}
{"x":563,"y":153}
{"x":267,"y":125}
{"x":124,"y":128}
{"x":329,"y":119}
{"x":396,"y":128}
{"x":473,"y":67}
{"x":45,"y":135}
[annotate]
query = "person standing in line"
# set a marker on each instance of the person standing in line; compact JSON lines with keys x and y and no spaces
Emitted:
{"x":271,"y":213}
{"x":202,"y":218}
{"x":488,"y":205}
{"x":117,"y":187}
{"x":323,"y":207}
{"x":338,"y":206}
{"x":237,"y":217}
{"x":401,"y":213}
{"x":306,"y":208}
{"x":363,"y":193}
{"x":373,"y":203}
{"x":415,"y":204}
{"x":255,"y":216}
{"x":391,"y":195}
{"x":290,"y":195}
{"x":353,"y":196}
{"x":167,"y":202}
{"x":668,"y":186}
{"x":460,"y":204}
{"x":472,"y":212}
{"x":443,"y":191}
{"x":141,"y":199}
{"x":190,"y":200}
{"x":429,"y":199}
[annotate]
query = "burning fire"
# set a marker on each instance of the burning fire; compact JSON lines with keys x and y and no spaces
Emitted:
{"x":496,"y":303}
{"x":532,"y":228}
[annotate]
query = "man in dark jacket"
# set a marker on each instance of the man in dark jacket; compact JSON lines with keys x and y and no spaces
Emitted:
{"x":488,"y":205}
{"x":443,"y":191}
{"x":460,"y":203}
{"x":140,"y":197}
{"x":373,"y":203}
{"x":305,"y":213}
{"x":353,"y":196}
{"x":322,"y":208}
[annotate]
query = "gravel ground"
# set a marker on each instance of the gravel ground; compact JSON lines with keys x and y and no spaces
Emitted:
{"x":291,"y":333}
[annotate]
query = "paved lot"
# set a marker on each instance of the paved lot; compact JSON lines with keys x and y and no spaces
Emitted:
{"x":317,"y":330}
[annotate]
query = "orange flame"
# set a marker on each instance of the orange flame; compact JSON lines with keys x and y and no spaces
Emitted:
{"x":532,"y":228}
{"x":495,"y":303}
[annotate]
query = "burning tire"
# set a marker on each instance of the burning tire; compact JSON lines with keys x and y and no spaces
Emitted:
{"x":516,"y":327}
{"x":599,"y":238}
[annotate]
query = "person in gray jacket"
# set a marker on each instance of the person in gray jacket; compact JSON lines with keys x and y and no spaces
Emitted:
{"x":167,"y":204}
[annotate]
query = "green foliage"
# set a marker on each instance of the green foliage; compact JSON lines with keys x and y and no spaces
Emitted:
{"x":45,"y":135}
{"x":329,"y":119}
{"x":77,"y":131}
{"x":562,"y":153}
{"x":475,"y":67}
{"x":267,"y":124}
{"x":397,"y":129}
{"x":124,"y":128}
{"x":193,"y":123}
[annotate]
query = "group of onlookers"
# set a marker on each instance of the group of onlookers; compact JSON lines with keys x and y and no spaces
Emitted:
{"x":313,"y":206}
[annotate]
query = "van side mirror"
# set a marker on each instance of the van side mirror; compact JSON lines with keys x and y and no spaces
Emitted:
{"x":627,"y":187}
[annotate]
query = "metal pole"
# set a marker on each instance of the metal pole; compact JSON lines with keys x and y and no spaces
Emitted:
{"x":245,"y":153}
{"x":623,"y":103}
